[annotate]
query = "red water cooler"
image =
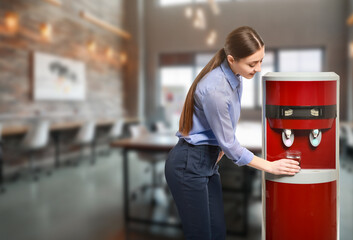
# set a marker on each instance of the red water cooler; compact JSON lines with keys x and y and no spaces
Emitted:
{"x":300,"y":118}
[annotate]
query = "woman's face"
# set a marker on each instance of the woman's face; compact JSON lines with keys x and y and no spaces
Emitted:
{"x":247,"y":67}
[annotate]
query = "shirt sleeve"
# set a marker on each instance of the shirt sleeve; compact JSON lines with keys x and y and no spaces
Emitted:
{"x":216,"y":107}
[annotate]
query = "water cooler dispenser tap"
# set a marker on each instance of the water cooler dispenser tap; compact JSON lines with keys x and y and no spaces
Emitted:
{"x":315,"y":137}
{"x":287,"y":137}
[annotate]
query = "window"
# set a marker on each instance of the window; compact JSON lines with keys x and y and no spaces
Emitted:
{"x":175,"y":78}
{"x":175,"y":82}
{"x":294,"y":60}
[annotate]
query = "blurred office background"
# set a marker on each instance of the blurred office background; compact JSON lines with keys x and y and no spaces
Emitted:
{"x":120,"y":68}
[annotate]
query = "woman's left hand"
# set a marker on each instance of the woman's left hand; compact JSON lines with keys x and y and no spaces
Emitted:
{"x":278,"y":167}
{"x":284,"y":167}
{"x":220,"y":155}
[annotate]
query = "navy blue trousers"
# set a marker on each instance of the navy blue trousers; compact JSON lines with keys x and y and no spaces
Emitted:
{"x":193,"y":178}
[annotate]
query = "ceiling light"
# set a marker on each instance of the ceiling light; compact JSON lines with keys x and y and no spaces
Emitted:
{"x":200,"y":20}
{"x":188,"y":12}
{"x":211,"y":38}
{"x":214,"y":7}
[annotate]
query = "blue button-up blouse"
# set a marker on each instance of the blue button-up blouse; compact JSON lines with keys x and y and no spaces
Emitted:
{"x":216,"y":113}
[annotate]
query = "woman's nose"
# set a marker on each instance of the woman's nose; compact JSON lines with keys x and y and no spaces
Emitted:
{"x":258,"y":67}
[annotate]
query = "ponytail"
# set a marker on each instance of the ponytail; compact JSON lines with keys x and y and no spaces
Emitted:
{"x":185,"y":122}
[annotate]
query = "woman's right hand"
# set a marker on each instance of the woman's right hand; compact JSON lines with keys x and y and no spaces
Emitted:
{"x":284,"y":167}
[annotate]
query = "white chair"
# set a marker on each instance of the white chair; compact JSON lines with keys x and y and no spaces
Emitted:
{"x":86,"y":133}
{"x":138,"y":130}
{"x":85,"y":137}
{"x":161,"y":127}
{"x":116,"y":130}
{"x":36,"y":138}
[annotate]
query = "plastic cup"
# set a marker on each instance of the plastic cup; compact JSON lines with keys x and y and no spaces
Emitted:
{"x":294,"y":155}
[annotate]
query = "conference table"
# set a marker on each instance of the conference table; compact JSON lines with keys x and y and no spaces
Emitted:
{"x":248,"y":134}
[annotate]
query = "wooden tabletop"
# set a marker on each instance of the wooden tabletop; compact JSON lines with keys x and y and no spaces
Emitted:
{"x":148,"y":142}
{"x":13,"y":130}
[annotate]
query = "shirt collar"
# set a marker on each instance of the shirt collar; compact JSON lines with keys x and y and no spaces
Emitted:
{"x":234,"y":80}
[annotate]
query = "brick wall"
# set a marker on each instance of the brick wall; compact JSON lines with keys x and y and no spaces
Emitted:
{"x":104,"y":82}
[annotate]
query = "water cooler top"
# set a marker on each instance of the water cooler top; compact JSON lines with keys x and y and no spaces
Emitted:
{"x":300,"y":76}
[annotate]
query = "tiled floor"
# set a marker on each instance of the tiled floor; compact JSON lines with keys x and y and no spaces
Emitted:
{"x":74,"y":203}
{"x":86,"y":203}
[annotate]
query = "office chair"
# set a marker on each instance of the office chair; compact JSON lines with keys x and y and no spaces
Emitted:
{"x":116,"y":130}
{"x":85,"y":137}
{"x":161,"y":127}
{"x":36,"y":138}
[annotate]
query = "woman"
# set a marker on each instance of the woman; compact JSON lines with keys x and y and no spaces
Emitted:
{"x":207,"y":131}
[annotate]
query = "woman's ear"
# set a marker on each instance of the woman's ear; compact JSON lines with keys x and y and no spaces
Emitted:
{"x":230,"y":59}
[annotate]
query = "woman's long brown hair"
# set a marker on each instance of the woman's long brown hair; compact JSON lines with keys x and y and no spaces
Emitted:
{"x":240,"y":43}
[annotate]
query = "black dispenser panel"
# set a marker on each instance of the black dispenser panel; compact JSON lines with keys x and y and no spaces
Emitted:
{"x":301,"y":112}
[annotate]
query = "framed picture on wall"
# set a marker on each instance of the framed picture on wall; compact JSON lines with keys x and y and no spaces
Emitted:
{"x":57,"y":78}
